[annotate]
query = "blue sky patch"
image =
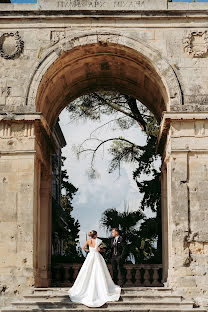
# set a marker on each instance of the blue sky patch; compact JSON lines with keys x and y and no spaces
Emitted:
{"x":23,"y":1}
{"x":189,"y":1}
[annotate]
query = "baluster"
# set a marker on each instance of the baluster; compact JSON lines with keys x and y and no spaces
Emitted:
{"x":67,"y":275}
{"x":155,"y":278}
{"x":111,"y":270}
{"x":58,"y":275}
{"x":54,"y":274}
{"x":138,"y":277}
{"x":62,"y":274}
{"x":76,"y":271}
{"x":146,"y":278}
{"x":129,"y":276}
{"x":119,"y":278}
{"x":71,"y":270}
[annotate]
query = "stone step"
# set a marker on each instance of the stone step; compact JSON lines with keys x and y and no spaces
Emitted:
{"x":85,"y":309}
{"x":125,"y":290}
{"x":124,"y":297}
{"x":143,"y":299}
{"x":116,"y":304}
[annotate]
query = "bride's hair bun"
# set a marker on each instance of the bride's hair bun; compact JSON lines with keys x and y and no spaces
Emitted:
{"x":92,"y":233}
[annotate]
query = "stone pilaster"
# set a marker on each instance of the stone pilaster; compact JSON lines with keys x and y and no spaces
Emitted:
{"x":17,"y":166}
{"x":185,"y":200}
{"x":25,"y":201}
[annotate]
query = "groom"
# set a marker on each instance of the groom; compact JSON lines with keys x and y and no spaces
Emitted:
{"x":118,"y":250}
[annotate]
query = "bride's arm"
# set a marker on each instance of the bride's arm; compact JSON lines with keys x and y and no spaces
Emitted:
{"x":101,"y":250}
{"x":85,"y":245}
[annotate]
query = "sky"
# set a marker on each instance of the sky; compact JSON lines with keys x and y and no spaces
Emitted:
{"x":108,"y":190}
{"x":35,"y":1}
{"x":189,"y":1}
{"x":23,"y":1}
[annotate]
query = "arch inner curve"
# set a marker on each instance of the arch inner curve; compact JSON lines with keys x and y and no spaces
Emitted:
{"x":94,"y":67}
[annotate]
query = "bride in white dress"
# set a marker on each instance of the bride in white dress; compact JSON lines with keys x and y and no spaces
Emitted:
{"x":94,"y":286}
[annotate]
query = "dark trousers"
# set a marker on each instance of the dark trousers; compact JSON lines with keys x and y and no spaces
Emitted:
{"x":117,"y":263}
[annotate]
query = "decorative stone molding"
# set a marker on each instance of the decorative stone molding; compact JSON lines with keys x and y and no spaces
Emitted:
{"x":82,"y":39}
{"x":197,"y":120}
{"x":16,"y":130}
{"x":196,"y":43}
{"x":11,"y":45}
{"x":56,"y":36}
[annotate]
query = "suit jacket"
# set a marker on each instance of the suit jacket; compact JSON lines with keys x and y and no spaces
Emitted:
{"x":119,"y":247}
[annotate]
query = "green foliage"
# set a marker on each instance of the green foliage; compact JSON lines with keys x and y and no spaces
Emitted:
{"x":71,"y":238}
{"x":126,"y":220}
{"x":151,"y":199}
{"x":139,"y":247}
{"x":122,"y":151}
{"x":126,"y":112}
{"x":68,"y":188}
{"x":92,"y":106}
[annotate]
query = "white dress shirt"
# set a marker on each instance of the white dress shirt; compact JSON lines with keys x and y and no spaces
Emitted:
{"x":115,"y":239}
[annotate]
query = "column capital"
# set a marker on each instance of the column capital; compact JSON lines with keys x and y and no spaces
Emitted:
{"x":169,"y":117}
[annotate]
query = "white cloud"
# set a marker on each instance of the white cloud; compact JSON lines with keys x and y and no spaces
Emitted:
{"x":108,"y":191}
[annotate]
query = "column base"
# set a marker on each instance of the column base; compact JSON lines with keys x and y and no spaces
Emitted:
{"x":43,"y":278}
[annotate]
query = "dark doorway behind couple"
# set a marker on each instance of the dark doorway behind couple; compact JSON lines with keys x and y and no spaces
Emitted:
{"x":94,"y":286}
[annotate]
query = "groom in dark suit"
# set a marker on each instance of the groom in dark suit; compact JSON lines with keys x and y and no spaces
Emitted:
{"x":118,"y":251}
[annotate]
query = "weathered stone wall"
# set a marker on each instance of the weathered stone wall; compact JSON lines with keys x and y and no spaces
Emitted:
{"x":17,"y":145}
{"x":169,"y":45}
{"x":186,"y":159}
{"x":25,"y":201}
{"x":170,"y":37}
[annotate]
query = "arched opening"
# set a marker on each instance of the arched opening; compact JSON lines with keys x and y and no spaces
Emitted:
{"x":100,"y":67}
{"x":85,"y":69}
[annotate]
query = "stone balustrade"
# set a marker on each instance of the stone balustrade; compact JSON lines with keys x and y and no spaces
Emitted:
{"x":64,"y":274}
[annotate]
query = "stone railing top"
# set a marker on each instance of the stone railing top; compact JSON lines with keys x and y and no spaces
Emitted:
{"x":129,"y":265}
{"x":91,"y":6}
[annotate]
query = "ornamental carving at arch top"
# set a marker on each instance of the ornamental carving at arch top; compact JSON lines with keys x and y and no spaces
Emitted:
{"x":196,"y":43}
{"x":11,"y":45}
{"x":114,"y":40}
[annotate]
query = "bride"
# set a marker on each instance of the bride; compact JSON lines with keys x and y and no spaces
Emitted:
{"x":94,"y":286}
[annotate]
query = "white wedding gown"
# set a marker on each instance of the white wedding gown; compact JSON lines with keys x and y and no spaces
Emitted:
{"x":94,"y":286}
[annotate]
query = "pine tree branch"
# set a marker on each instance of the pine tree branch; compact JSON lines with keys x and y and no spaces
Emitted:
{"x":105,"y":141}
{"x":114,"y":106}
{"x":105,"y":124}
{"x":135,"y":111}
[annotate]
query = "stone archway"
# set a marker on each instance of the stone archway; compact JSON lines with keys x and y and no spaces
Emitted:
{"x":119,"y":47}
{"x":81,"y":65}
{"x":150,"y":36}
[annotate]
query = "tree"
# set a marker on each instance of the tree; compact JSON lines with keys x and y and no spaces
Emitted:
{"x":71,"y":240}
{"x":139,"y":247}
{"x":126,"y":112}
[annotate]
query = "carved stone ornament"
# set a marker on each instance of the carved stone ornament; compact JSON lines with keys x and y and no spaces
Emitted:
{"x":11,"y":45}
{"x":196,"y":43}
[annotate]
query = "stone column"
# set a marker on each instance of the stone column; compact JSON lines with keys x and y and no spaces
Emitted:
{"x":184,"y":137}
{"x":43,"y":228}
{"x":43,"y":207}
{"x":25,"y":205}
{"x":165,"y":222}
{"x":17,"y":167}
